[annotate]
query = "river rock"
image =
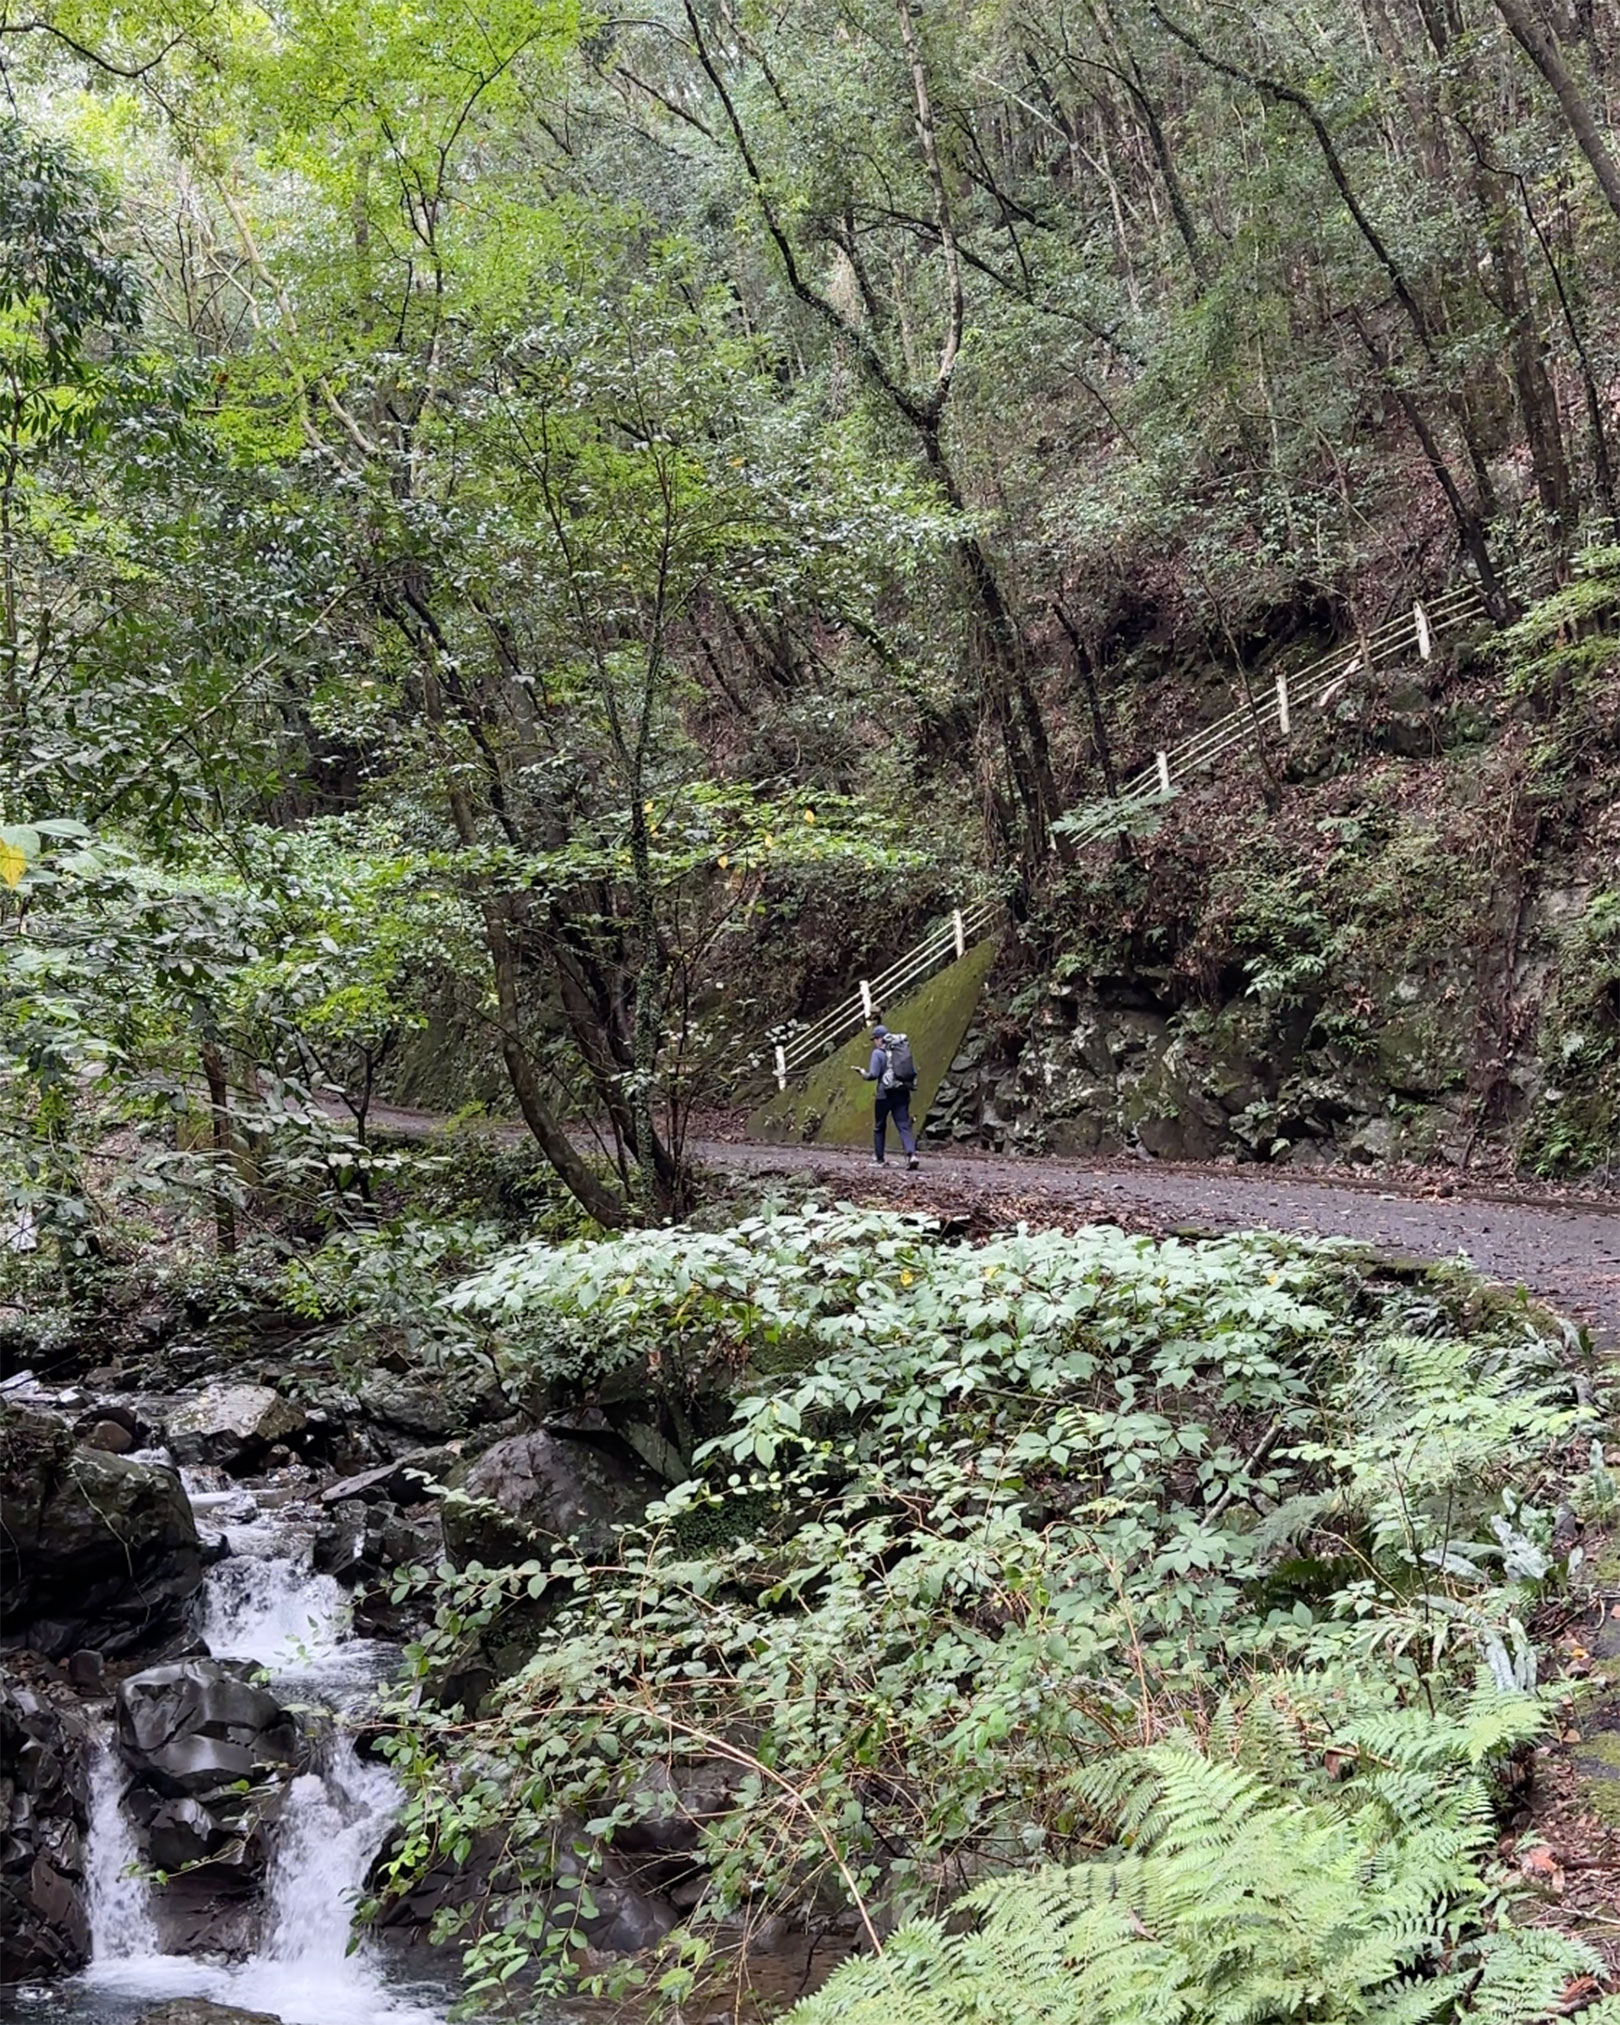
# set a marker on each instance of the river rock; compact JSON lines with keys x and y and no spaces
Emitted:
{"x":413,"y":1403}
{"x":204,"y":2011}
{"x":526,"y":1494}
{"x":671,"y":1806}
{"x":233,"y":1426}
{"x":212,"y":1756}
{"x":97,"y":1550}
{"x":189,"y":1726}
{"x":402,"y":1483}
{"x":362,"y":1545}
{"x":625,"y":1918}
{"x":44,"y":1811}
{"x":110,"y":1437}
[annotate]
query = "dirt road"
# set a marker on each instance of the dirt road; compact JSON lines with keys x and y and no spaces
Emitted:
{"x":1567,"y":1253}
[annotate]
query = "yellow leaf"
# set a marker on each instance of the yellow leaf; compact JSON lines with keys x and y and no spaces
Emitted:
{"x":769,"y":840}
{"x":12,"y":864}
{"x":809,"y":815}
{"x":724,"y":862}
{"x":906,"y":1279}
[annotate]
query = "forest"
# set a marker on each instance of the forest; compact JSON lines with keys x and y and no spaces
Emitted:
{"x":541,"y":552}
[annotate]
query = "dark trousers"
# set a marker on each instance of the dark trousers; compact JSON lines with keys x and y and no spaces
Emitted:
{"x":895,"y":1104}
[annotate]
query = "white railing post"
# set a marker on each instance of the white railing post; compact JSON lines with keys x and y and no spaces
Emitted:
{"x":781,"y":1068}
{"x":1203,"y":750}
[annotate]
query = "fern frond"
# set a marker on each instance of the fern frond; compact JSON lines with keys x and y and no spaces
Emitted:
{"x":1239,"y":1903}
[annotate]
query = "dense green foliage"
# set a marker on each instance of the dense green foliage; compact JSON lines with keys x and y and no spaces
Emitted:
{"x":535,"y":546}
{"x":1002,"y":1510}
{"x":653,"y":503}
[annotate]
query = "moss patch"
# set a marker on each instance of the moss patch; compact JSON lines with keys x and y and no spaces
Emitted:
{"x":835,"y":1109}
{"x":1596,"y":1762}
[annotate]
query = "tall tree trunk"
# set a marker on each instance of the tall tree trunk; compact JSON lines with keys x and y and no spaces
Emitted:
{"x":1540,"y":44}
{"x":219,"y":1116}
{"x":574,"y":1171}
{"x":1085,"y":666}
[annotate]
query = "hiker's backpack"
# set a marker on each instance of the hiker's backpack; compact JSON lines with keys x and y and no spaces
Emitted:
{"x":902,"y":1070}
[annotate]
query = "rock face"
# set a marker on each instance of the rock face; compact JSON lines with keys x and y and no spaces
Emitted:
{"x":212,"y":1757}
{"x":233,"y":1426}
{"x":533,"y":1490}
{"x":1102,"y":1074}
{"x":44,"y":1810}
{"x":97,"y":1550}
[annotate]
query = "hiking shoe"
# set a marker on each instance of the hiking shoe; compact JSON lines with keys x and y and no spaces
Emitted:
{"x":878,"y":1160}
{"x":913,"y":1163}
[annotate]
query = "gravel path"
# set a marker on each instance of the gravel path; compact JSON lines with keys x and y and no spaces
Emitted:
{"x":1569,"y":1255}
{"x":1567,"y":1252}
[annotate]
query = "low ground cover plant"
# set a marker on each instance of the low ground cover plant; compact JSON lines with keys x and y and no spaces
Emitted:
{"x":1039,"y":1579}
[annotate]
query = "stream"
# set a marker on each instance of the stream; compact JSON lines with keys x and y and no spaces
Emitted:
{"x":264,"y":1603}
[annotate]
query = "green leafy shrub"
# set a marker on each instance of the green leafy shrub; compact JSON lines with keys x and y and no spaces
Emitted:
{"x":984,"y":1516}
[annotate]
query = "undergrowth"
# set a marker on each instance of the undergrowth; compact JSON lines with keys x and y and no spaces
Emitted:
{"x":1002,"y":1540}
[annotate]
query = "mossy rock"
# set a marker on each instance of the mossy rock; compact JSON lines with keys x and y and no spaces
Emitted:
{"x":834,"y":1108}
{"x":1596,"y":1761}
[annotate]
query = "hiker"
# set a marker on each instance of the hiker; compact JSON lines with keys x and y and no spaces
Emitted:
{"x":895,"y":1074}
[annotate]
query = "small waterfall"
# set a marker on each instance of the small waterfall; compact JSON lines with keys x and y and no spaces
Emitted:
{"x":264,"y":1608}
{"x":332,"y":1827}
{"x":121,"y":1925}
{"x":265,"y":1603}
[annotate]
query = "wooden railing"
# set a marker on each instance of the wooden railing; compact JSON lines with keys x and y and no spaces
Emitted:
{"x":1272,"y":713}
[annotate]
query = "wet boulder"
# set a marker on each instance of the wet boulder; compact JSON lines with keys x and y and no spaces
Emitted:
{"x":405,"y":1482}
{"x":118,"y":1426}
{"x":362,"y":1544}
{"x":96,"y":1550}
{"x":232,"y":1426}
{"x":668,"y":1809}
{"x":185,"y":1727}
{"x":204,"y":2011}
{"x":526,"y":1494}
{"x":212,"y":1755}
{"x":44,"y":1823}
{"x":411,"y":1404}
{"x":625,"y":1918}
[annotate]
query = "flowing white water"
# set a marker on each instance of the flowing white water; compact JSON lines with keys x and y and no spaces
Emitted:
{"x":121,"y":1925}
{"x":264,"y":1603}
{"x":253,"y":1609}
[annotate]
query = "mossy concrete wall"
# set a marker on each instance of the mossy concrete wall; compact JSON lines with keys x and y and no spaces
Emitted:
{"x":834,"y":1107}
